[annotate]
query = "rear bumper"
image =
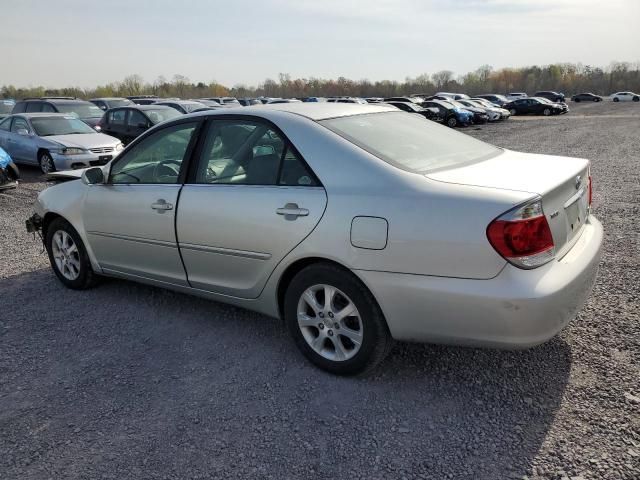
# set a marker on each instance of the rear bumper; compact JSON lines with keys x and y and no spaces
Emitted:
{"x":516,"y":309}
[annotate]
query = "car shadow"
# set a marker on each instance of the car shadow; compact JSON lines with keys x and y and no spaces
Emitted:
{"x":172,"y":383}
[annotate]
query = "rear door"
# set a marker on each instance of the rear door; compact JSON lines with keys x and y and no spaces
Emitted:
{"x":18,"y":142}
{"x":130,"y":220}
{"x":115,"y":123}
{"x":249,"y":201}
{"x":137,"y":124}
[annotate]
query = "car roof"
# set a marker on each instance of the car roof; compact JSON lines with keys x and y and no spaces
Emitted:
{"x":153,"y":106}
{"x":56,"y":101}
{"x":109,"y":98}
{"x":41,"y":114}
{"x":179,"y":102}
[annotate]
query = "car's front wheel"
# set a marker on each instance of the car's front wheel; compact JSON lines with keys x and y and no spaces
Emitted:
{"x":616,"y":99}
{"x":335,"y":321}
{"x":636,"y":99}
{"x":513,"y":111}
{"x":546,"y":112}
{"x":68,"y":256}
{"x":46,"y":162}
{"x":577,"y":100}
{"x":452,"y":122}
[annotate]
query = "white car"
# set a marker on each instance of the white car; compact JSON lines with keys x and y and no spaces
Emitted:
{"x":625,"y":97}
{"x":356,"y":224}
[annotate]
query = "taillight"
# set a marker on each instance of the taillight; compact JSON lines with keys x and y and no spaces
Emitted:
{"x":522,"y":236}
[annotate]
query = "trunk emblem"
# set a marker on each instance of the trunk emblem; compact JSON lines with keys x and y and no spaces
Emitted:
{"x":578,"y":182}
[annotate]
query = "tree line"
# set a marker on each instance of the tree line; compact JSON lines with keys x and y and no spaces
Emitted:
{"x":563,"y":77}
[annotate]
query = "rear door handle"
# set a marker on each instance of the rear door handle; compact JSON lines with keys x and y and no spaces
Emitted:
{"x":162,"y":206}
{"x":291,"y":211}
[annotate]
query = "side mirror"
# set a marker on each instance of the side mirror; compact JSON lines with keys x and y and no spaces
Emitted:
{"x":93,"y":176}
{"x":22,"y":131}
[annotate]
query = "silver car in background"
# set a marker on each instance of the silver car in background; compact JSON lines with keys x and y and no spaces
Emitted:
{"x":55,"y":141}
{"x":356,"y":224}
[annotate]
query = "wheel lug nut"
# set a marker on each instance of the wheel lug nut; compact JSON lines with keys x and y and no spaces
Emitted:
{"x":321,"y":326}
{"x":336,"y":326}
{"x":330,"y":315}
{"x":321,"y":315}
{"x":330,"y":332}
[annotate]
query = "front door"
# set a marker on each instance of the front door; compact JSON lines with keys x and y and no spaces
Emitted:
{"x":130,"y":220}
{"x":250,"y":200}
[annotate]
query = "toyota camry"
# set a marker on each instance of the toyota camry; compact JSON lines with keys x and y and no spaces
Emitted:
{"x":355,"y":224}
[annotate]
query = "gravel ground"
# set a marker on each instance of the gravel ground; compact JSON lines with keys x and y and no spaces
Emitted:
{"x":130,"y":381}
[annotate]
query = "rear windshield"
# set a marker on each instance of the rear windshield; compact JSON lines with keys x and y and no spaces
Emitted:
{"x":6,"y":107}
{"x":46,"y":126}
{"x":409,"y":141}
{"x":160,"y":115}
{"x":81,"y":110}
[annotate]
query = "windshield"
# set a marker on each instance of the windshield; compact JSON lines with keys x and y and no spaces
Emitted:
{"x":47,"y":126}
{"x":6,"y":107}
{"x":160,"y":115}
{"x":456,"y":103}
{"x":410,"y":142}
{"x":119,"y":103}
{"x":81,"y":110}
{"x":190,"y":107}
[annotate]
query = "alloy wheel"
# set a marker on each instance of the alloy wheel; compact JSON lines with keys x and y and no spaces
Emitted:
{"x":330,"y":322}
{"x":46,"y":163}
{"x":66,"y":255}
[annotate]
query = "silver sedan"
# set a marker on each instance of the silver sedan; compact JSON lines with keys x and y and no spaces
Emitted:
{"x":356,"y":224}
{"x":55,"y":141}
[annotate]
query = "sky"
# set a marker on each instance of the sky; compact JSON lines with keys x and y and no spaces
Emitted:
{"x":57,"y":43}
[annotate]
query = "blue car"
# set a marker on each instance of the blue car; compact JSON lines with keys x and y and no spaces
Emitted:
{"x":451,"y":115}
{"x":6,"y":107}
{"x":9,"y":173}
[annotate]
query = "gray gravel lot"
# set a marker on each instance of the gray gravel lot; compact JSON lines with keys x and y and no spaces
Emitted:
{"x":129,"y":381}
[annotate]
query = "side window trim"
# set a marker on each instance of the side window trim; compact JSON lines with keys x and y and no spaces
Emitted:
{"x":188,"y":156}
{"x":191,"y":174}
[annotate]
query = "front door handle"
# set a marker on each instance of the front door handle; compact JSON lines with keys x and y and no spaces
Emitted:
{"x":291,"y":211}
{"x":162,"y":206}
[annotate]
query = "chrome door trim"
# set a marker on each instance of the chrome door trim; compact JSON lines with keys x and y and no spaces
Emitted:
{"x":128,"y":238}
{"x":226,"y":251}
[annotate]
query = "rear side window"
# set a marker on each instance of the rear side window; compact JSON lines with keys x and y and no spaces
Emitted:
{"x":48,"y":108}
{"x":20,"y":107}
{"x":34,"y":107}
{"x":116,"y":117}
{"x":19,"y":124}
{"x":410,"y":142}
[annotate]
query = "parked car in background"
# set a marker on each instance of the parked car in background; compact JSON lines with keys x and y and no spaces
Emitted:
{"x":183,"y":106}
{"x":586,"y":97}
{"x":85,"y":111}
{"x":207,"y":103}
{"x":504,"y":113}
{"x":315,"y":99}
{"x":536,"y":106}
{"x":514,"y":95}
{"x":247,"y":102}
{"x":492,"y":113}
{"x":480,"y":117}
{"x":55,"y":141}
{"x":453,"y":96}
{"x":283,"y":100}
{"x":315,"y":214}
{"x":563,"y":106}
{"x":9,"y":173}
{"x":495,"y":98}
{"x":625,"y":97}
{"x":361,"y":101}
{"x":143,"y":99}
{"x":6,"y":107}
{"x":126,"y":123}
{"x":430,"y":113}
{"x":225,"y":101}
{"x":416,"y":100}
{"x":106,"y":103}
{"x":374,"y":99}
{"x":451,"y":115}
{"x":550,"y":95}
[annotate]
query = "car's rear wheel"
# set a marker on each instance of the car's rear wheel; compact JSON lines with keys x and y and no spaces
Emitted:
{"x":335,"y":321}
{"x":616,"y":99}
{"x":546,"y":112}
{"x":636,"y":99}
{"x":68,"y":256}
{"x":452,"y":122}
{"x":46,"y":162}
{"x":513,"y":111}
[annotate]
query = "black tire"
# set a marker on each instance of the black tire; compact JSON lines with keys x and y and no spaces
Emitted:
{"x":376,"y":339}
{"x":86,"y":276}
{"x":636,"y":99}
{"x":616,"y":99}
{"x":452,"y":122}
{"x":46,"y":163}
{"x":546,"y":112}
{"x":596,"y":99}
{"x":577,"y":100}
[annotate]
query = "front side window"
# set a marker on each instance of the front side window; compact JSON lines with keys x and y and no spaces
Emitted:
{"x":250,"y":153}
{"x":156,"y":159}
{"x":47,"y":108}
{"x":136,"y":119}
{"x":410,"y":142}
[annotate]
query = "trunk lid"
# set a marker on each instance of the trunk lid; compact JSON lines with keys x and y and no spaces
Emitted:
{"x":562,"y":182}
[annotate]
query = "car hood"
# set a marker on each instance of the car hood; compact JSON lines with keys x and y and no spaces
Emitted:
{"x":84,"y":140}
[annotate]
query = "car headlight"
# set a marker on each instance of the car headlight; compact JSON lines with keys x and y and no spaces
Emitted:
{"x":72,"y":151}
{"x":119,"y":147}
